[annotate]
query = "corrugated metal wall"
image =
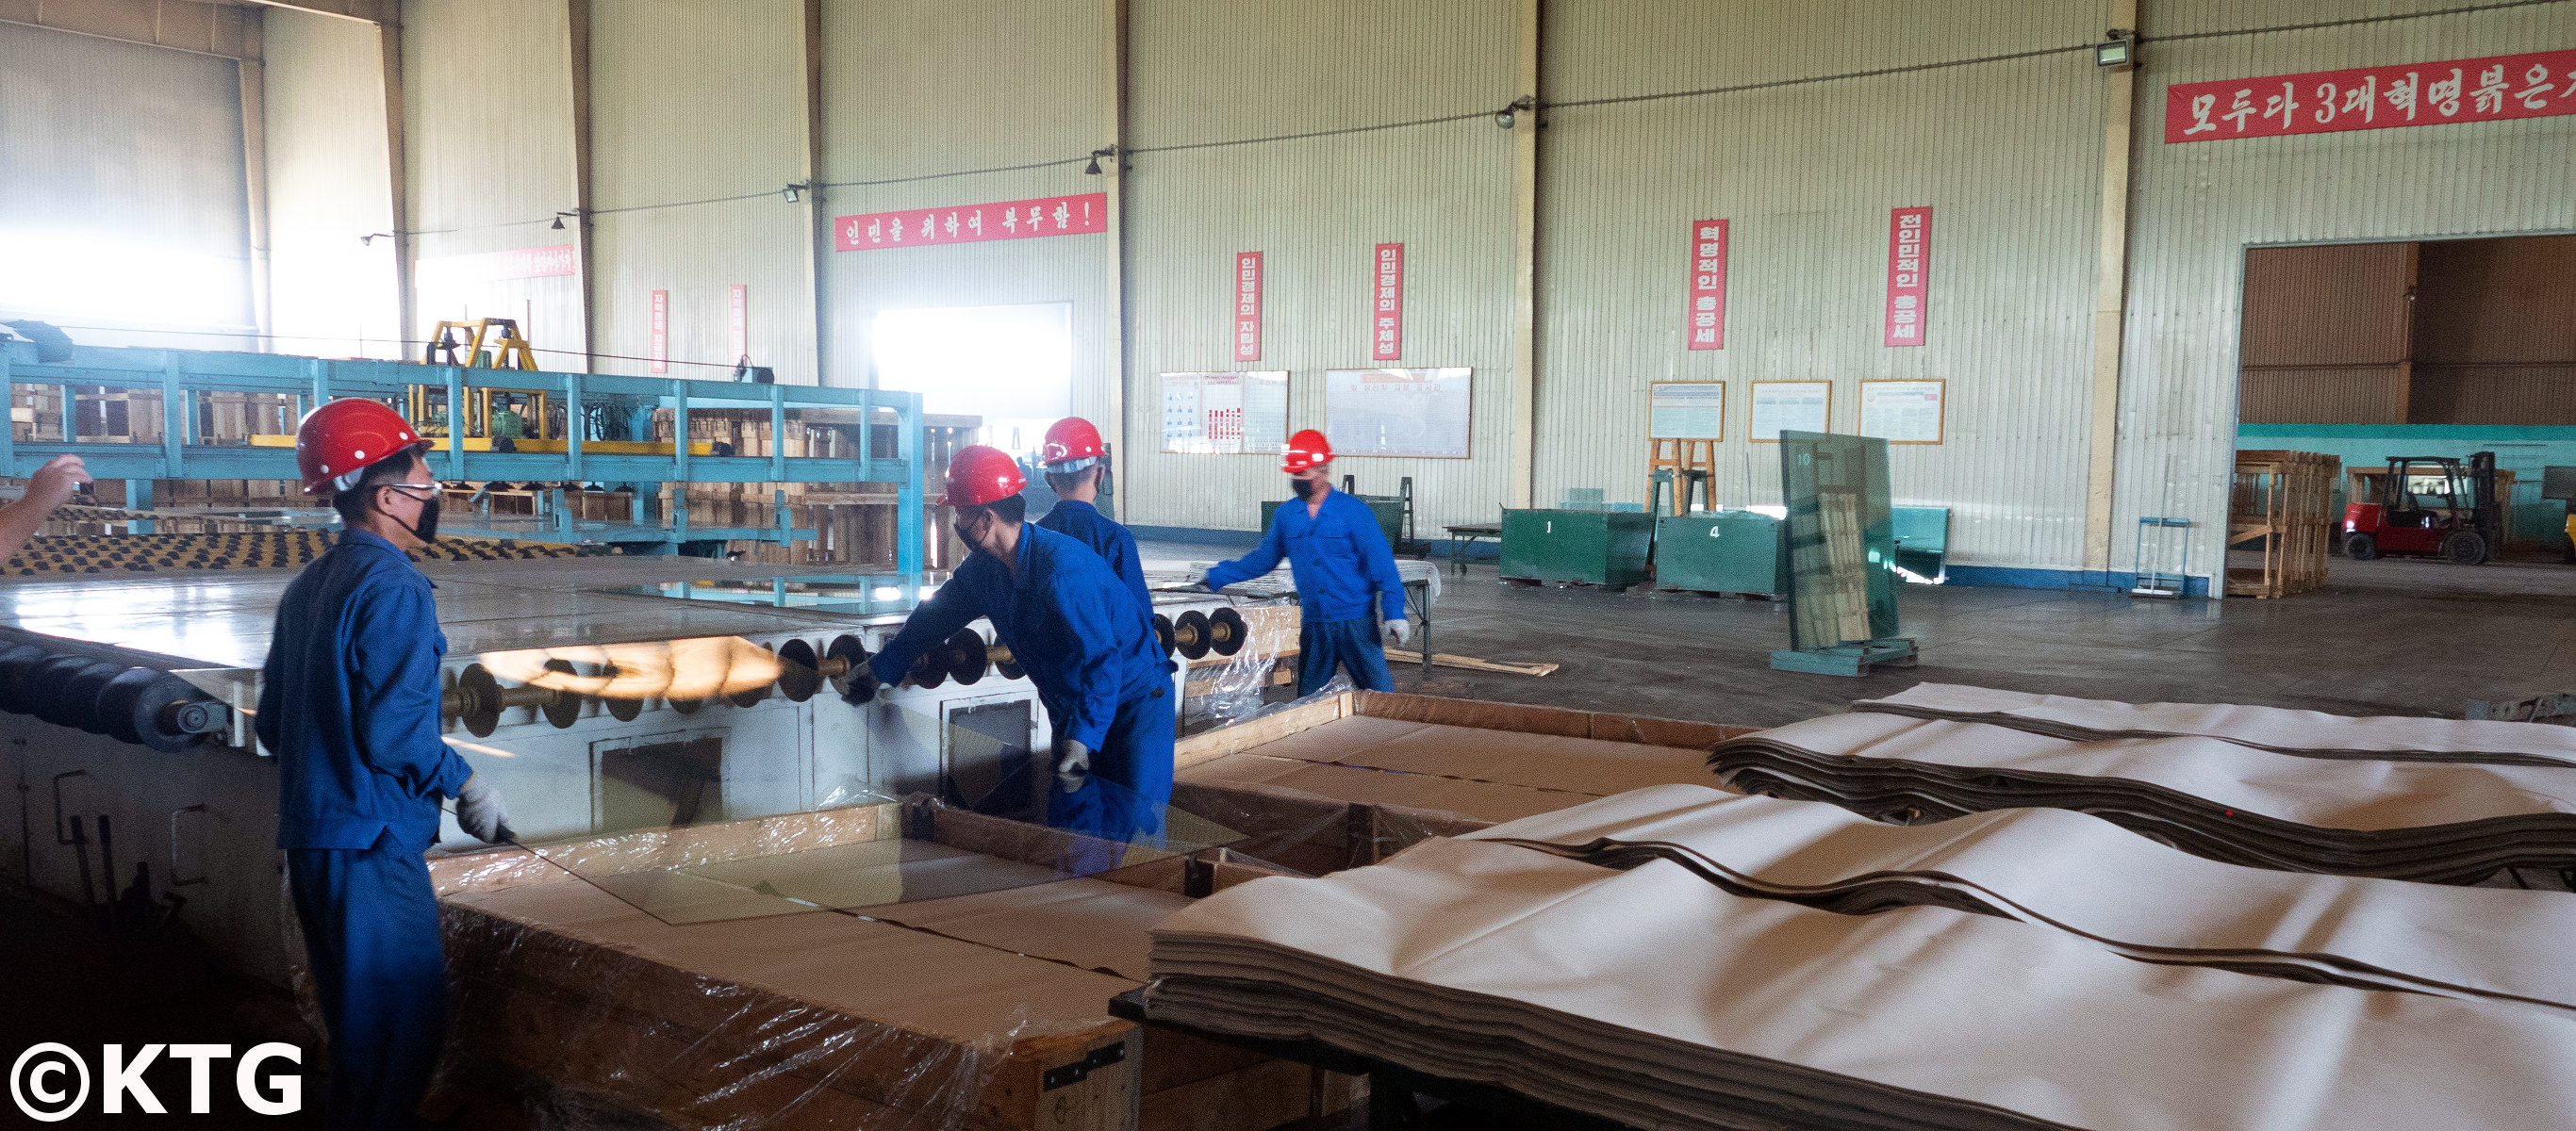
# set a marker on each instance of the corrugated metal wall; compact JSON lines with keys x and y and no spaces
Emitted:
{"x":688,"y":104}
{"x":327,"y":186}
{"x":2007,"y":154}
{"x":1316,"y":209}
{"x":913,"y":87}
{"x":2197,"y":207}
{"x":487,"y":114}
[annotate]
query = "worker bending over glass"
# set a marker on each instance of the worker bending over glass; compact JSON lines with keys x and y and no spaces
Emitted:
{"x":1075,"y":463}
{"x":1345,"y":572}
{"x":349,"y":704}
{"x":1077,"y":632}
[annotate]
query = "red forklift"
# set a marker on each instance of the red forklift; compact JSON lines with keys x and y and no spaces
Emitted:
{"x":2441,"y":506}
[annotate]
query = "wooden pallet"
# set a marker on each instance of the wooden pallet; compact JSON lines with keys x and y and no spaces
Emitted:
{"x":2282,"y":504}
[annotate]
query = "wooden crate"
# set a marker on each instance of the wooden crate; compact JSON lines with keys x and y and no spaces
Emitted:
{"x":2282,"y":506}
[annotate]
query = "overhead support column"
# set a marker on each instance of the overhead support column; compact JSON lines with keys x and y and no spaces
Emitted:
{"x":818,"y":219}
{"x":1114,"y":318}
{"x":389,"y":43}
{"x":1524,"y":442}
{"x":577,"y":38}
{"x":2110,"y":299}
{"x":254,"y":111}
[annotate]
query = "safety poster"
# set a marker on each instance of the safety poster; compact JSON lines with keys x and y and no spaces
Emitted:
{"x":1397,"y":412}
{"x":1225,"y":414}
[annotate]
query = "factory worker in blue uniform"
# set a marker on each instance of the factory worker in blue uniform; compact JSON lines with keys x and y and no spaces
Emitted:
{"x":1345,"y":572}
{"x":349,"y":703}
{"x":1077,"y":632}
{"x":1075,"y":462}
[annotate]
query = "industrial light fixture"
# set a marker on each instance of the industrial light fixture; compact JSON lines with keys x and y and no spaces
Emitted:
{"x":1093,"y":169}
{"x":369,"y":240}
{"x":558,"y":224}
{"x":2118,"y":51}
{"x":792,"y":192}
{"x":1508,"y":116}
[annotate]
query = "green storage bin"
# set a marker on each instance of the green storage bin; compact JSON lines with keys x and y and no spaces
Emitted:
{"x":1594,"y":547}
{"x":1723,"y":552}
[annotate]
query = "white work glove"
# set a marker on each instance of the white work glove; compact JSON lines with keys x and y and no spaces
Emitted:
{"x":1401,"y":629}
{"x":52,"y":485}
{"x":479,"y":812}
{"x":1072,"y":766}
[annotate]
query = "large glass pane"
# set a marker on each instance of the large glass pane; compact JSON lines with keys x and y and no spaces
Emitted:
{"x":1842,"y":544}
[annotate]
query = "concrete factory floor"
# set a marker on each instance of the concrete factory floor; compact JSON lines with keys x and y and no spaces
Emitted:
{"x":2383,"y":637}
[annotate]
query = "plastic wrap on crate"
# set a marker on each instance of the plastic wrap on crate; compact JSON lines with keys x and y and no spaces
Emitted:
{"x":1225,"y":690}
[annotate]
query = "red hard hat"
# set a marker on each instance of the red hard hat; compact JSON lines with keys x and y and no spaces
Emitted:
{"x":978,"y":475}
{"x":1305,"y":449}
{"x":1071,"y":438}
{"x":335,"y":442}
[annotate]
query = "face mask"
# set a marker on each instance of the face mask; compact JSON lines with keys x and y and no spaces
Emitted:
{"x":1305,"y":488}
{"x":425,"y":527}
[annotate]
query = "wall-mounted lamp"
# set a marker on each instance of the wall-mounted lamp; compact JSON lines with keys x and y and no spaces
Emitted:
{"x":1509,"y":116}
{"x":558,"y":224}
{"x":793,"y":192}
{"x":369,"y":240}
{"x":1093,"y":169}
{"x":2120,"y":50}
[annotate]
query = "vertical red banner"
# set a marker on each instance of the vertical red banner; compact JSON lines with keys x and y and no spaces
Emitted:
{"x":1909,"y":274}
{"x":738,"y":321}
{"x":661,"y":324}
{"x":1386,"y":334}
{"x":1708,"y":285}
{"x":1247,"y":306}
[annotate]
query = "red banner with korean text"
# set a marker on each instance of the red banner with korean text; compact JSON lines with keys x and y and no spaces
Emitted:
{"x":1247,"y":306}
{"x":1386,"y":307}
{"x":973,"y":223}
{"x":2374,"y":98}
{"x":492,"y":266}
{"x":660,"y":354}
{"x":1707,"y":320}
{"x":1909,"y":274}
{"x":738,"y":321}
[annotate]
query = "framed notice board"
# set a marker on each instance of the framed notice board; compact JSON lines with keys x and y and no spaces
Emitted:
{"x":1902,"y":412}
{"x":1686,"y":410}
{"x":1224,"y":414}
{"x":1794,"y":406}
{"x":1398,"y":412}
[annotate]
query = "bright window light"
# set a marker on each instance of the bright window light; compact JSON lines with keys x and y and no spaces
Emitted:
{"x":59,"y":274}
{"x":1011,"y":365}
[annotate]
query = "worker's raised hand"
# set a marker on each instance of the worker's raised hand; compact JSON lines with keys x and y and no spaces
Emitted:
{"x":1072,"y":766}
{"x":480,"y":814}
{"x":1401,"y":629}
{"x":53,"y":484}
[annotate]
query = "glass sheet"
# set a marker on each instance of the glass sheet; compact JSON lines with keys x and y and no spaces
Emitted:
{"x":683,"y":876}
{"x":858,"y":594}
{"x":1842,"y":541}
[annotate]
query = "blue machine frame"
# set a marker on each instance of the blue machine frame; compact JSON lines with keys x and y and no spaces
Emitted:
{"x":179,"y":375}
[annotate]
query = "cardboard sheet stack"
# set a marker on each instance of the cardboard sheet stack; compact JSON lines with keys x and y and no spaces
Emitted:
{"x":1680,"y":957}
{"x":2418,"y":799}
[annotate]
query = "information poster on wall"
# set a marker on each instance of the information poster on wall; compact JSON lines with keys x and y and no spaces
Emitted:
{"x":1225,"y":414}
{"x":1397,"y":412}
{"x":1686,"y":410}
{"x":1901,"y":412}
{"x":1796,"y":406}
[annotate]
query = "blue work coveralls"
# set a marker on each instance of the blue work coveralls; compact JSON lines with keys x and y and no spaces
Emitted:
{"x":1339,"y":557}
{"x":1084,"y":523}
{"x":349,"y":704}
{"x":1090,"y":650}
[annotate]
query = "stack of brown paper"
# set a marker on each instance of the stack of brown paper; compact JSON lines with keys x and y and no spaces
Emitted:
{"x":1654,"y":997}
{"x":2073,"y":873}
{"x":2415,"y":819}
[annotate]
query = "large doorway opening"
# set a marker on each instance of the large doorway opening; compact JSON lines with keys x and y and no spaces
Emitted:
{"x":2433,"y":354}
{"x":1010,"y":365}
